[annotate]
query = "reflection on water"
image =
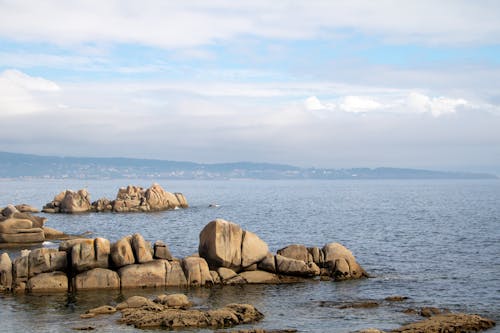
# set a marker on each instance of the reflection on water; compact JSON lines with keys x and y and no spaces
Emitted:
{"x":434,"y":241}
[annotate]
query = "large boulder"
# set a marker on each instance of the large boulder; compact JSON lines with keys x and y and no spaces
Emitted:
{"x":5,"y":272}
{"x":20,"y":269}
{"x":44,"y":260}
{"x":16,"y":227}
{"x":69,"y":202}
{"x":341,"y":263}
{"x":97,"y":278}
{"x":220,"y":244}
{"x":130,"y":199}
{"x":122,"y":253}
{"x":87,"y":254}
{"x":161,"y":251}
{"x":253,"y":249}
{"x":142,"y":249}
{"x":149,"y":275}
{"x":25,"y":208}
{"x":296,"y":251}
{"x":257,"y":277}
{"x":48,"y":282}
{"x":196,"y":271}
{"x":159,"y":199}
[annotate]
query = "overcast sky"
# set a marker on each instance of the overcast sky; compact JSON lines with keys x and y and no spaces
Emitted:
{"x":308,"y":83}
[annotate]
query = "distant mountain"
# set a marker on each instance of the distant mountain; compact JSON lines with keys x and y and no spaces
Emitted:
{"x":13,"y":165}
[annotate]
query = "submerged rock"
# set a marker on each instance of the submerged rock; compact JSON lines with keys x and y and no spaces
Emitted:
{"x":451,"y":322}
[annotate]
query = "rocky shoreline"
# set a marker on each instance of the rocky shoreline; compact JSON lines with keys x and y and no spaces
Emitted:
{"x":227,"y":255}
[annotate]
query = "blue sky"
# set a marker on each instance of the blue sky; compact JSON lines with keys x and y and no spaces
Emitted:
{"x":310,"y":83}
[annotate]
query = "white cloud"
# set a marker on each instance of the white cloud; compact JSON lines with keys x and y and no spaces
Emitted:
{"x":437,"y":106}
{"x":359,"y":104}
{"x":23,"y":94}
{"x":313,"y":103}
{"x":190,"y":24}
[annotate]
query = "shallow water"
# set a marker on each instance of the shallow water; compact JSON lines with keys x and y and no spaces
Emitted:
{"x":437,"y":242}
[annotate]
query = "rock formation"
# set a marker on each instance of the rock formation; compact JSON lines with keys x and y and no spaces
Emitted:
{"x":128,"y":199}
{"x":173,"y":312}
{"x":228,"y":255}
{"x":18,"y":227}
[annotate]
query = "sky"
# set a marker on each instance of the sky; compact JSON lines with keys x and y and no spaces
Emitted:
{"x":334,"y":84}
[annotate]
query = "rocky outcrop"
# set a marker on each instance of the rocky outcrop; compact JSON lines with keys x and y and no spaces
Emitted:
{"x":48,"y":282}
{"x":128,"y":199}
{"x":228,"y":255}
{"x":69,"y":202}
{"x":450,"y":322}
{"x":173,"y":312}
{"x":18,"y":227}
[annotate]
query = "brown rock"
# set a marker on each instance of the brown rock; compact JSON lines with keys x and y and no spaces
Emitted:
{"x":142,"y":250}
{"x":48,"y":282}
{"x":161,"y":251}
{"x":396,"y":298}
{"x":196,"y":271}
{"x":226,"y":273}
{"x":297,"y":252}
{"x":139,"y":302}
{"x":151,"y":274}
{"x":105,"y":309}
{"x":25,"y":208}
{"x":97,"y":278}
{"x":20,"y":269}
{"x":255,"y":277}
{"x":5,"y":272}
{"x":33,"y":235}
{"x":288,"y":266}
{"x":13,"y":225}
{"x":268,"y":264}
{"x":175,"y":274}
{"x":121,"y":252}
{"x":220,"y":244}
{"x":452,"y":322}
{"x":51,"y":233}
{"x":341,"y":262}
{"x":75,"y":202}
{"x":44,"y":260}
{"x":87,"y":254}
{"x":158,"y":199}
{"x":174,"y":301}
{"x":253,"y":249}
{"x":430,"y":311}
{"x":182,"y":200}
{"x":317,"y":255}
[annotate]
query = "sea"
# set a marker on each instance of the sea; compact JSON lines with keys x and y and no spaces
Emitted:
{"x":436,"y":242}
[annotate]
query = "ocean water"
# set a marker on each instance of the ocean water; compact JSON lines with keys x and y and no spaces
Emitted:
{"x":436,"y":242}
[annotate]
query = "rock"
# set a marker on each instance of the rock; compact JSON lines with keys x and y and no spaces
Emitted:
{"x":166,"y":318}
{"x":341,"y":263}
{"x":174,"y":301}
{"x":253,"y":249}
{"x":48,"y":282}
{"x":196,"y":271}
{"x":97,"y":278}
{"x":215,"y":277}
{"x":396,"y":298}
{"x":255,"y":277}
{"x":161,"y":251}
{"x":369,"y":330}
{"x":148,"y":275}
{"x":226,"y":273}
{"x":297,"y":252}
{"x":220,"y":244}
{"x":102,"y":205}
{"x":51,"y":233}
{"x":9,"y":211}
{"x":158,"y":199}
{"x":44,"y":260}
{"x":288,"y":266}
{"x":268,"y":264}
{"x":75,"y":202}
{"x":121,"y":252}
{"x":25,"y":208}
{"x":175,"y":274}
{"x":139,"y":302}
{"x":430,"y":311}
{"x":130,"y":199}
{"x":359,"y":305}
{"x":182,"y":200}
{"x":33,"y":235}
{"x":451,"y":322}
{"x":87,"y":254}
{"x":5,"y":272}
{"x":20,"y":270}
{"x":105,"y":309}
{"x":142,"y":250}
{"x":317,"y":255}
{"x":20,"y":227}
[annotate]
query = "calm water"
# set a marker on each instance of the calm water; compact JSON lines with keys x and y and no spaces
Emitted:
{"x":437,"y":242}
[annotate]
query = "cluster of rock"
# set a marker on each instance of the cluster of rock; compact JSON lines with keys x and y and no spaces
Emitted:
{"x":18,"y":225}
{"x":227,"y":255}
{"x":128,"y":199}
{"x":175,"y":312}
